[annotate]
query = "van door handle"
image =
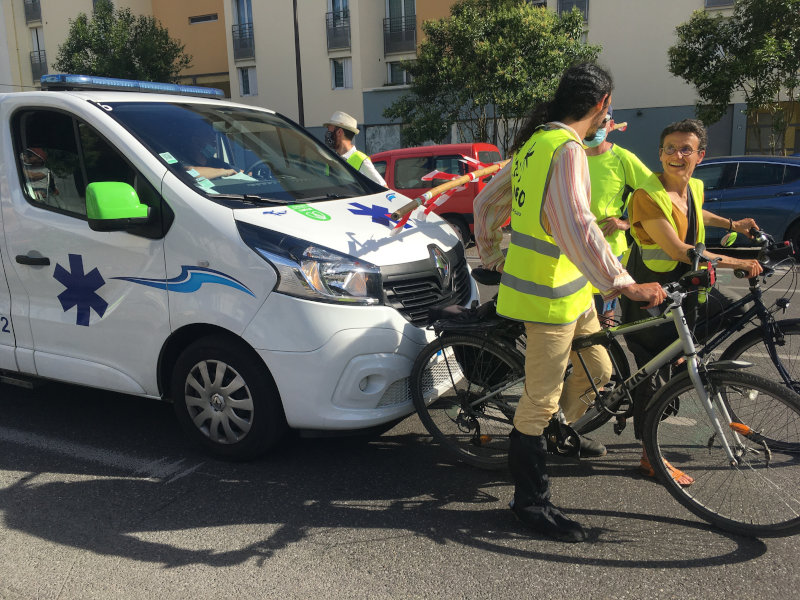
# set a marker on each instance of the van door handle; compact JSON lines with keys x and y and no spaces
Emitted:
{"x":36,"y":261}
{"x":786,"y":194}
{"x":712,"y":199}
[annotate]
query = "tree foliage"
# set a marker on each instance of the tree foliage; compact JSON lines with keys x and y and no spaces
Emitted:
{"x":486,"y":66}
{"x":115,"y":43}
{"x":755,"y":52}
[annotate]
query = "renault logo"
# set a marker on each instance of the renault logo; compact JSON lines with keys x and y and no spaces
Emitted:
{"x":442,"y":266}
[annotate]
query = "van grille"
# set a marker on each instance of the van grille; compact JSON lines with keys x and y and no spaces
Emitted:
{"x":415,"y":288}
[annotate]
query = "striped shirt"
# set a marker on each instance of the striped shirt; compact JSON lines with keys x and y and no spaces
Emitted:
{"x":566,"y":217}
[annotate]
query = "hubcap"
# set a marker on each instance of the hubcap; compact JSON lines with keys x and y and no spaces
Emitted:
{"x":219,"y":401}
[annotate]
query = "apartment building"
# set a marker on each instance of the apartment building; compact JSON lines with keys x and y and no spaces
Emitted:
{"x":32,"y":31}
{"x":309,"y":58}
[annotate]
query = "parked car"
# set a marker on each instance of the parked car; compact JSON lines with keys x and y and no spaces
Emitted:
{"x":766,"y":188}
{"x":403,"y":170}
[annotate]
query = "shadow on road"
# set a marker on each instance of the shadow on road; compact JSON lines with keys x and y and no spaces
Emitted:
{"x":327,"y":492}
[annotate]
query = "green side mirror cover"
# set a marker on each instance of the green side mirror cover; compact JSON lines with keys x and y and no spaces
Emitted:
{"x":113,"y":200}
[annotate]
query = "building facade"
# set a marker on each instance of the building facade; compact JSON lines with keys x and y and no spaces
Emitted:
{"x":309,"y":58}
{"x":33,"y":30}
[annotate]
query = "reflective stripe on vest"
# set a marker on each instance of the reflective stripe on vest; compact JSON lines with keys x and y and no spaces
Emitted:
{"x":356,"y":159}
{"x":539,"y":283}
{"x":653,"y":256}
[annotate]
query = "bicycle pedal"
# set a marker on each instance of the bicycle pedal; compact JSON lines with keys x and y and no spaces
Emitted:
{"x":481,"y":440}
{"x":619,"y":426}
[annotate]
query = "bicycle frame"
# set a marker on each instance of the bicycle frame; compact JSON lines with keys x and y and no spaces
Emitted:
{"x":684,"y":346}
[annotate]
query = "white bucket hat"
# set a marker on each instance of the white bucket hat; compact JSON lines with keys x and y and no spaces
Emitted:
{"x":343,"y":120}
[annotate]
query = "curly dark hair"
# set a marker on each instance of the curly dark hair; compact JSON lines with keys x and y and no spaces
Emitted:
{"x":581,"y":87}
{"x":694,"y":126}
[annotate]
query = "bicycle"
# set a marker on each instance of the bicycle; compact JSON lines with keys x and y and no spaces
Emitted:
{"x":772,"y":346}
{"x":738,"y":434}
{"x":475,"y":369}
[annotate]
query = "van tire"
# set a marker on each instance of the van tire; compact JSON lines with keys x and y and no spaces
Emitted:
{"x":226,"y":400}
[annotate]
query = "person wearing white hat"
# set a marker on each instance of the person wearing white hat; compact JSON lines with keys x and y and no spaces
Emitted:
{"x":342,"y":128}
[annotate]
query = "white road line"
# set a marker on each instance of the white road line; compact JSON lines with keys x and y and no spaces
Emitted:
{"x":162,"y":469}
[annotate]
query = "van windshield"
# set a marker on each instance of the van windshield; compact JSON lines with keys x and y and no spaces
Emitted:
{"x":229,"y":151}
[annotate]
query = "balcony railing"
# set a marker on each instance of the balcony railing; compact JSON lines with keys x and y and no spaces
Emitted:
{"x":400,"y":34}
{"x":38,"y":64}
{"x":337,"y":25}
{"x":243,"y":41}
{"x":33,"y":11}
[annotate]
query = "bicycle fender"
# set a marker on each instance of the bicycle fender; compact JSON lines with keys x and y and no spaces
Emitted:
{"x":729,"y":365}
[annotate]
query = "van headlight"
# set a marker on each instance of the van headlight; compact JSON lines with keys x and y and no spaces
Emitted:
{"x":314,"y":272}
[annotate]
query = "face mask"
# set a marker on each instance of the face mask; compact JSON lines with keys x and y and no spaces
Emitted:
{"x":595,"y":141}
{"x":330,"y":141}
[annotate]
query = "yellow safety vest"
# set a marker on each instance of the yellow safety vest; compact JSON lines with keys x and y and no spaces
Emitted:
{"x":539,"y":283}
{"x":356,"y":159}
{"x":653,"y":256}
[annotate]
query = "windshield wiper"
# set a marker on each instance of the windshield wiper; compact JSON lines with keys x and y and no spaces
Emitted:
{"x":250,"y":198}
{"x":326,"y":197}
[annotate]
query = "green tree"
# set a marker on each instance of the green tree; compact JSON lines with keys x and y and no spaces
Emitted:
{"x":754,"y":52}
{"x":484,"y":67}
{"x":115,"y":43}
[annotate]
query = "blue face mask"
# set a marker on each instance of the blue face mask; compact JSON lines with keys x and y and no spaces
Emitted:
{"x":598,"y":138}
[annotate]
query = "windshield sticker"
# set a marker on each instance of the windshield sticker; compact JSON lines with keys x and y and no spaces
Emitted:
{"x":204,"y":183}
{"x":81,"y":289}
{"x":193,"y":173}
{"x":275,"y":212}
{"x":310,"y":212}
{"x":168,"y":158}
{"x":379,"y":214}
{"x":190,"y":280}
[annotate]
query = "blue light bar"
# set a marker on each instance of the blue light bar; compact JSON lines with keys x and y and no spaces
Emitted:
{"x":64,"y":81}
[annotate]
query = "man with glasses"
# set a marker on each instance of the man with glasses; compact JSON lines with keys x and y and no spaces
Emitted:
{"x":667,"y":218}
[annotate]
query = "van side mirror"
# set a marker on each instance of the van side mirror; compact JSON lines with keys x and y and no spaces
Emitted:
{"x":114,"y":206}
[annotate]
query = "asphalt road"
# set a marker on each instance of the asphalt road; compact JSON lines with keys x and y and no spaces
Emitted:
{"x":101,"y":496}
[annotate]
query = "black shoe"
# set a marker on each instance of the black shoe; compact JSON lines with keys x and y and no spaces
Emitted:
{"x":549,"y":521}
{"x":591,"y":449}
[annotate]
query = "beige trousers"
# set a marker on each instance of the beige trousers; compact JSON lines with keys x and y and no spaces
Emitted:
{"x":549,"y":350}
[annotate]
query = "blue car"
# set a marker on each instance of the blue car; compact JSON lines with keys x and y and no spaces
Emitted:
{"x":766,"y":188}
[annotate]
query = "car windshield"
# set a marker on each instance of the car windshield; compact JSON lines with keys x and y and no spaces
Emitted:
{"x":224,"y":151}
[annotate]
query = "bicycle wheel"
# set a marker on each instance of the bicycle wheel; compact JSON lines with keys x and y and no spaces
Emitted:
{"x":595,"y":416}
{"x":752,"y":348}
{"x":759,"y":496}
{"x":466,"y":389}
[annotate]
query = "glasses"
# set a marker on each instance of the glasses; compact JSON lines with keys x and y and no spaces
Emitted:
{"x":685,"y":151}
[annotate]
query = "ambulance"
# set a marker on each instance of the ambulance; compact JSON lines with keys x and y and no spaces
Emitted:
{"x":160,"y":241}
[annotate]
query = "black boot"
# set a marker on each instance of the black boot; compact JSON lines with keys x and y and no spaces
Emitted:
{"x":527,"y":461}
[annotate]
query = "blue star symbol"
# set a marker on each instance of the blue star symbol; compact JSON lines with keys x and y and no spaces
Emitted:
{"x":379,"y":214}
{"x":81,"y":289}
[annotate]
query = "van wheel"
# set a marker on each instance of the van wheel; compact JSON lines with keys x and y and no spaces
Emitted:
{"x":225,"y":399}
{"x":462,"y":229}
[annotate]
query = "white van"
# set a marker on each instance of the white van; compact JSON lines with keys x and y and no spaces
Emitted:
{"x":216,"y":254}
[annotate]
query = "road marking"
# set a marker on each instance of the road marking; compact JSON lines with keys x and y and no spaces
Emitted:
{"x":162,"y":469}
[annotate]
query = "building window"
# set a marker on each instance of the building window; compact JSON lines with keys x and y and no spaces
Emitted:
{"x":397,"y":74}
{"x":202,"y":19}
{"x":718,"y":3}
{"x":341,"y":73}
{"x":542,"y":3}
{"x":568,"y":5}
{"x":248,"y":84}
{"x":94,"y":3}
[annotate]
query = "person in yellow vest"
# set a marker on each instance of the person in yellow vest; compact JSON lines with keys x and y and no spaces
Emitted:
{"x":556,"y":249}
{"x":615,"y":172}
{"x":667,"y":219}
{"x":342,"y":128}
